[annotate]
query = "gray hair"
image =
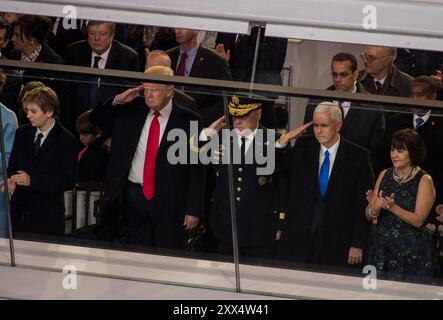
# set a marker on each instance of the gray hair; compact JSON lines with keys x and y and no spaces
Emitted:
{"x":327,"y":106}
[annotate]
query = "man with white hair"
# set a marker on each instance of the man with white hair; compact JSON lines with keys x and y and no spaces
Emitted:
{"x":327,"y":178}
{"x":381,"y":76}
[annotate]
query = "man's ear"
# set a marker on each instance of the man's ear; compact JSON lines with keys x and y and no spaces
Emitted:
{"x":50,"y":113}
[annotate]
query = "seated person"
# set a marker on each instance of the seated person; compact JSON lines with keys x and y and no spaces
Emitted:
{"x":42,"y":166}
{"x":93,"y":158}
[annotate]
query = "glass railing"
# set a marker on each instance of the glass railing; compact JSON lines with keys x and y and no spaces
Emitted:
{"x":295,"y":235}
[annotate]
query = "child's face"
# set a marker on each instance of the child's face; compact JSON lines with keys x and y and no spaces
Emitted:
{"x":36,"y":115}
{"x":87,"y":138}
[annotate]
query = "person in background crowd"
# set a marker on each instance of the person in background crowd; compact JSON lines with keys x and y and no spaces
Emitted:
{"x":363,"y":127}
{"x":190,"y":59}
{"x":93,"y":158}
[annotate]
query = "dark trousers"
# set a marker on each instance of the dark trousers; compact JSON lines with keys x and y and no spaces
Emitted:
{"x":261,"y":252}
{"x":140,"y":213}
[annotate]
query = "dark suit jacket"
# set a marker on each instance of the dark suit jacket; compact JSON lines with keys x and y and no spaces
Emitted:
{"x":270,"y":60}
{"x":92,"y":165}
{"x":11,"y":90}
{"x":179,"y":187}
{"x":40,"y":207}
{"x":396,"y":84}
{"x":432,"y":134}
{"x":207,"y":64}
{"x":344,"y":224}
{"x":363,"y":127}
{"x":120,"y":57}
{"x":257,"y":201}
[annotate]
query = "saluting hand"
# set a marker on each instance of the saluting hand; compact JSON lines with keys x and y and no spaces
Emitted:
{"x":293,"y":134}
{"x":128,"y":95}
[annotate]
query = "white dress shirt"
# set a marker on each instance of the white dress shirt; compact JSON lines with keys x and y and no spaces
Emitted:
{"x":138,"y":162}
{"x":45,"y":134}
{"x":425,"y":118}
{"x":103,"y":60}
{"x":332,"y":154}
{"x":345,"y":105}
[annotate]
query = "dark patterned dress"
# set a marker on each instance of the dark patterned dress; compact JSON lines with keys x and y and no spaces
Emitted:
{"x":401,"y":251}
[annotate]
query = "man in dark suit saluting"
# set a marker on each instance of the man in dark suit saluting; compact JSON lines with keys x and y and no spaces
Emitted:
{"x":161,"y":200}
{"x":327,"y":180}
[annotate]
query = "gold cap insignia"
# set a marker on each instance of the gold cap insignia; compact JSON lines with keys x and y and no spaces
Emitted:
{"x":237,"y":109}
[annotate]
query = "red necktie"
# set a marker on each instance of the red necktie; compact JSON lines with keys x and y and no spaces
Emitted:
{"x":182,"y":65}
{"x":150,"y":157}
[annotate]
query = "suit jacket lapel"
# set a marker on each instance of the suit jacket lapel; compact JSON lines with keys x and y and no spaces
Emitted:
{"x":339,"y":162}
{"x":196,"y":69}
{"x":349,"y":118}
{"x":311,"y":162}
{"x":172,"y":123}
{"x":50,"y":139}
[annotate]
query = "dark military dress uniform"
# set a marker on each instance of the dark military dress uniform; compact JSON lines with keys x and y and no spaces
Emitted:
{"x":256,"y":198}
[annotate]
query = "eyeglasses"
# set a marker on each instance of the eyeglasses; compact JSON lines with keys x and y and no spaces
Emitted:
{"x":370,"y":59}
{"x":341,"y":74}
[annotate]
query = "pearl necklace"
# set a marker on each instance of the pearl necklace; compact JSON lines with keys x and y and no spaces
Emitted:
{"x":405,"y":178}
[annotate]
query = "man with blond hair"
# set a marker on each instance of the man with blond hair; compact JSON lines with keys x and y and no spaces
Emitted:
{"x":160,"y":200}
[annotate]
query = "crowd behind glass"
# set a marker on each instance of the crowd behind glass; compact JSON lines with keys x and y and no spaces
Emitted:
{"x":351,"y":187}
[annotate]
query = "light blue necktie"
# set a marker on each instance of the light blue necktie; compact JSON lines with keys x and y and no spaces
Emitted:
{"x":418,"y":122}
{"x":324,"y":175}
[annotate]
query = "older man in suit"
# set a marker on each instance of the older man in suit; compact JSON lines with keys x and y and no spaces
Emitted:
{"x":380,"y":75}
{"x":326,"y":184}
{"x":161,"y":200}
{"x":100,"y":50}
{"x":191,"y":59}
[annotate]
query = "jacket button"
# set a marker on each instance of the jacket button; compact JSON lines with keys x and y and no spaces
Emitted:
{"x":240,"y":169}
{"x":238,"y":199}
{"x":238,"y":189}
{"x":240,"y":179}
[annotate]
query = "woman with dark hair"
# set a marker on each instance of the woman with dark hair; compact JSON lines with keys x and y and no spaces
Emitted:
{"x":42,"y":167}
{"x":30,"y":37}
{"x":401,"y":201}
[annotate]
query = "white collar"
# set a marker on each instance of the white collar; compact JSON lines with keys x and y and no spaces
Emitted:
{"x":46,"y":133}
{"x":165,"y":112}
{"x":104,"y":55}
{"x":425,"y":116}
{"x":332,"y":150}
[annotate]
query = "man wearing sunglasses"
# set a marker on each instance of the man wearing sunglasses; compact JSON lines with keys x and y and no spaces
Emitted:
{"x":363,"y":127}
